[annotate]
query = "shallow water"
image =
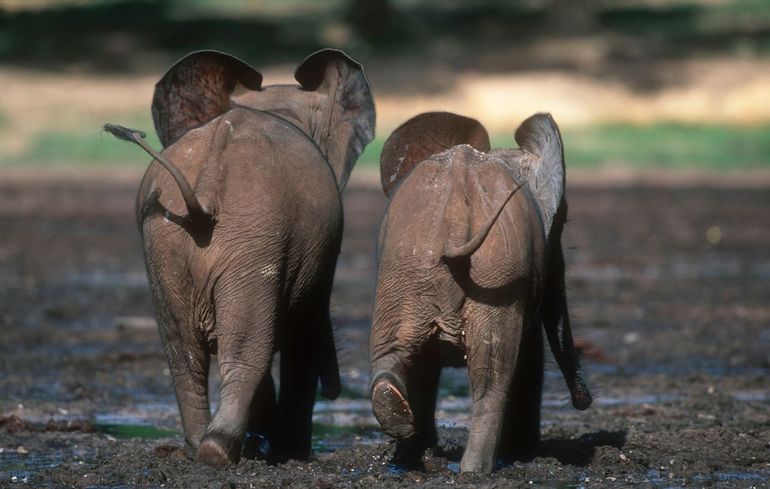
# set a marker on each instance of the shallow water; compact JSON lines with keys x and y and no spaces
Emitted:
{"x":338,"y":424}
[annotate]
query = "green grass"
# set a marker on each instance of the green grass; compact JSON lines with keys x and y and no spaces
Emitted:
{"x":668,"y":145}
{"x":664,"y":145}
{"x":371,"y":154}
{"x":88,"y":149}
{"x":134,"y":431}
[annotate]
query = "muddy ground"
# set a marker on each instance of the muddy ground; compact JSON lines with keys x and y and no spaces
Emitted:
{"x":669,"y":288}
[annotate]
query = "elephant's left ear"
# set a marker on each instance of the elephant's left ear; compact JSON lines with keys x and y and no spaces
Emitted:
{"x":342,"y":123}
{"x":422,"y":136}
{"x":196,"y":90}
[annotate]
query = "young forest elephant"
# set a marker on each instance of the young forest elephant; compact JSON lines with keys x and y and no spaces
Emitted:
{"x":470,"y":265}
{"x":241,"y":220}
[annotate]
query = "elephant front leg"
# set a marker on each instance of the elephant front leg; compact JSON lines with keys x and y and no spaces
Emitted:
{"x":491,"y":353}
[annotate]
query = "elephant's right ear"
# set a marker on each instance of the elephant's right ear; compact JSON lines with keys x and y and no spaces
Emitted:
{"x":196,"y":90}
{"x":341,"y":118}
{"x":422,"y":136}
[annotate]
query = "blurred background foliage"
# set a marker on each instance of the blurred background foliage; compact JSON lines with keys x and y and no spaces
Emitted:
{"x":659,"y":83}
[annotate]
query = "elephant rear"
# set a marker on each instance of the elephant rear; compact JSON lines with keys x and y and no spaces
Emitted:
{"x":243,"y":266}
{"x":441,"y":204}
{"x":470,"y":265}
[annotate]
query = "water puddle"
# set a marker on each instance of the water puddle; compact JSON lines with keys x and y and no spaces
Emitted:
{"x":145,"y":431}
{"x":339,"y":424}
{"x":104,"y":279}
{"x":330,"y":438}
{"x":740,"y":476}
{"x":18,"y":465}
{"x":678,"y":268}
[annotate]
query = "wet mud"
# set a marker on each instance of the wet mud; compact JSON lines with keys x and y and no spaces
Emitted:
{"x":668,"y":286}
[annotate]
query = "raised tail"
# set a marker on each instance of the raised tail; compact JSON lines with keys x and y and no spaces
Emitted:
{"x":469,"y":248}
{"x":194,"y":208}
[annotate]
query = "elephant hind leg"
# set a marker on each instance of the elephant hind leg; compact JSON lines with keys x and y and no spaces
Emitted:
{"x":260,"y":428}
{"x":188,"y":360}
{"x":493,"y":345}
{"x":404,"y":401}
{"x":245,"y":343}
{"x":294,"y":416}
{"x":423,"y":392}
{"x":391,"y":407}
{"x":189,"y":373}
{"x":521,"y":427}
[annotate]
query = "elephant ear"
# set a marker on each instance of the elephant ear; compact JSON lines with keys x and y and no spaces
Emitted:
{"x":196,"y":90}
{"x":539,"y":163}
{"x":341,"y":120}
{"x":422,"y":136}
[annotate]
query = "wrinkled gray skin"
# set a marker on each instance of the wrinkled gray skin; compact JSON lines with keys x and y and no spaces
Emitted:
{"x":246,"y":269}
{"x":470,"y":266}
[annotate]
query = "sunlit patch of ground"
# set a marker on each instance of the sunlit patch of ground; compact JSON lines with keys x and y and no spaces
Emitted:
{"x":56,"y":117}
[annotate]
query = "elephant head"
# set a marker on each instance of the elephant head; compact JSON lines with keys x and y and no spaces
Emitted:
{"x":332,"y":104}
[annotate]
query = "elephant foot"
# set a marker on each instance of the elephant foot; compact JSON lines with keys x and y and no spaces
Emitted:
{"x":477,"y":465}
{"x":408,"y":455}
{"x":391,"y":408}
{"x":218,"y":450}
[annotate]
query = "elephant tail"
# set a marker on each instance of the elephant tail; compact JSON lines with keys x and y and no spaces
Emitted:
{"x":469,"y":248}
{"x":195,"y":211}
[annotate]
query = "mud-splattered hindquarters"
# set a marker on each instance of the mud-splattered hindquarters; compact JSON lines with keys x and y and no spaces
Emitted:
{"x":274,"y":198}
{"x":447,"y":200}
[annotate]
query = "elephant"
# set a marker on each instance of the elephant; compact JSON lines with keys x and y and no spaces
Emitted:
{"x":241,"y":221}
{"x":470,"y":264}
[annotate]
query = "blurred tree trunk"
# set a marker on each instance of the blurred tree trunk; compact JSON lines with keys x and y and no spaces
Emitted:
{"x":370,"y":18}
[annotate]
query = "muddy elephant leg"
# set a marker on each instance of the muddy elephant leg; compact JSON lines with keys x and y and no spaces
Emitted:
{"x":422,"y":390}
{"x":260,"y":430}
{"x":404,"y":390}
{"x":409,"y":451}
{"x":521,"y":427}
{"x":492,"y":350}
{"x":189,"y":372}
{"x":245,"y":344}
{"x":294,"y":416}
{"x":425,"y":381}
{"x":188,"y":362}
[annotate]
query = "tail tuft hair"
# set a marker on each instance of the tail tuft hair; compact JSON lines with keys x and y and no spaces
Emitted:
{"x":123,"y":133}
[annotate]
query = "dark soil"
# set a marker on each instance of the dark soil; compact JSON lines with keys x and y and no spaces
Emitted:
{"x":669,"y":290}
